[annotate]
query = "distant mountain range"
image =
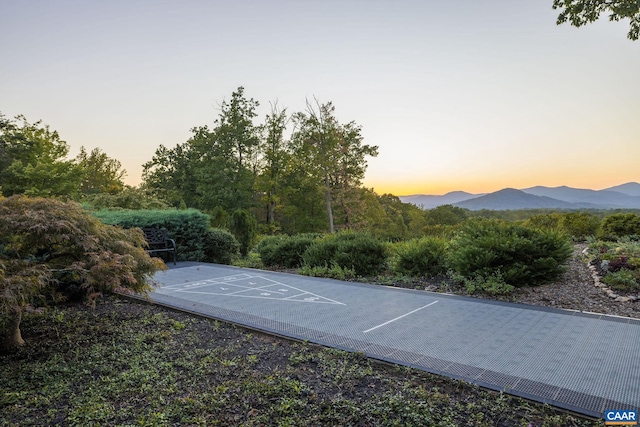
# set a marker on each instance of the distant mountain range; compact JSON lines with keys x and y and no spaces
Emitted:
{"x":625,"y":196}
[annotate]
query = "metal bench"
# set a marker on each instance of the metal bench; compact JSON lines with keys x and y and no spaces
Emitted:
{"x":159,"y":242}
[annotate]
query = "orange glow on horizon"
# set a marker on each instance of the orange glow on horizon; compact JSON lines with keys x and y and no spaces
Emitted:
{"x":478,"y":187}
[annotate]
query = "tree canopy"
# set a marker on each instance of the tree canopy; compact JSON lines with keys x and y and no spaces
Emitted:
{"x":582,"y":12}
{"x":289,"y":184}
{"x":33,"y":161}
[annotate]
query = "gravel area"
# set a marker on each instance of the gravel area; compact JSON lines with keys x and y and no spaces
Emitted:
{"x":576,"y":290}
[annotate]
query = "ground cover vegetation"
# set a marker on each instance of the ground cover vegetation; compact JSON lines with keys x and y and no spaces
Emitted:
{"x":242,"y":193}
{"x":126,"y":363}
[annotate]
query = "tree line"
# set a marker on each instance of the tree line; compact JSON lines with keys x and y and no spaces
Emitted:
{"x":294,"y":173}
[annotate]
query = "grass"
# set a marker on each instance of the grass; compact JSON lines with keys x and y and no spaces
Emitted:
{"x":130,"y":364}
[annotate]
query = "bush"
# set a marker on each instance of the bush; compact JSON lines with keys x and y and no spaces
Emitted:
{"x":421,"y":257}
{"x":622,"y":280}
{"x":361,"y":252}
{"x":333,"y":272}
{"x":57,"y":249}
{"x":220,"y":246}
{"x":284,"y":251}
{"x":522,"y":255}
{"x":619,"y":225}
{"x":243,"y":225}
{"x":189,"y":228}
{"x":492,"y":285}
{"x":580,"y":225}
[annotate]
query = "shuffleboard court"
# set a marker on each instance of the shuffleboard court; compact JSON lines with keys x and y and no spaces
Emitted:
{"x":578,"y":361}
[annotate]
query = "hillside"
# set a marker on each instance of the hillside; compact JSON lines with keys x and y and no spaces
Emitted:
{"x":625,"y":196}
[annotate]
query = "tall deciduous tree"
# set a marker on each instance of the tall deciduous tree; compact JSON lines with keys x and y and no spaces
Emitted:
{"x":34,"y":160}
{"x":234,"y":147}
{"x":334,"y":153}
{"x":582,"y":12}
{"x":100,"y":173}
{"x":171,"y":173}
{"x":274,"y":159}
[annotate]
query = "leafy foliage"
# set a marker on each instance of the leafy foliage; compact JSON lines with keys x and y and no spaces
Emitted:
{"x":285,"y":251}
{"x":621,"y":224}
{"x":421,"y":257}
{"x":243,"y":225}
{"x":521,"y":255}
{"x":32,"y":160}
{"x":128,"y":198}
{"x":623,"y":280}
{"x":582,"y":12}
{"x":60,"y":250}
{"x":334,"y":154}
{"x":100,"y":173}
{"x":580,"y":225}
{"x":189,"y":228}
{"x":360,"y":252}
{"x":220,"y":246}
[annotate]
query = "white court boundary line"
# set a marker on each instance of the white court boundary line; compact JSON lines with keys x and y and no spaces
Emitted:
{"x":397,"y":318}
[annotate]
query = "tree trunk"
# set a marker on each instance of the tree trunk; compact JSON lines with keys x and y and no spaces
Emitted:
{"x":13,"y":337}
{"x":329,"y":209}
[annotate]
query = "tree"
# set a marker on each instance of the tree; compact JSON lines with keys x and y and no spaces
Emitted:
{"x":33,"y":160}
{"x":274,"y":158}
{"x":100,"y":173}
{"x":243,"y":225}
{"x":229,"y":164}
{"x":57,"y":249}
{"x":334,"y":153}
{"x":171,"y":173}
{"x":582,"y":12}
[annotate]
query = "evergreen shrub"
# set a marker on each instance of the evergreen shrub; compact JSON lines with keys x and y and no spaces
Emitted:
{"x":220,"y":246}
{"x":580,"y":225}
{"x":189,"y":228}
{"x":623,"y":280}
{"x":284,"y":251}
{"x":421,"y":257}
{"x":522,"y":255}
{"x":620,"y":225}
{"x":363,"y":253}
{"x":243,"y":225}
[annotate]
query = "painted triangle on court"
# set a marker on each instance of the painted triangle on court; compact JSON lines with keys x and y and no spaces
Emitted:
{"x":249,"y":286}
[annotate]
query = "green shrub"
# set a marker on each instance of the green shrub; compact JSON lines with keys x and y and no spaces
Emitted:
{"x":621,"y":224}
{"x":493,"y":284}
{"x":622,"y":280}
{"x":284,"y":251}
{"x":421,"y":257}
{"x":522,"y":255}
{"x":333,"y":272}
{"x":243,"y":225}
{"x":360,"y":252}
{"x":267,"y":248}
{"x":59,"y":250}
{"x":189,"y":227}
{"x":549,"y":221}
{"x":580,"y":225}
{"x":220,"y":246}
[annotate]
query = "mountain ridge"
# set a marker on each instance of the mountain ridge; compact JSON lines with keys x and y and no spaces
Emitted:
{"x":624,"y":196}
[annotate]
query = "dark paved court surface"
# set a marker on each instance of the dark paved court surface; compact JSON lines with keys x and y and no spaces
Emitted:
{"x":582,"y":362}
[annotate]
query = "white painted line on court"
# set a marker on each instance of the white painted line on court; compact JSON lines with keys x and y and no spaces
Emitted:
{"x":398,"y":318}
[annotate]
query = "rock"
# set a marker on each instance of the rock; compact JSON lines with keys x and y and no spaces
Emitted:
{"x":622,"y":299}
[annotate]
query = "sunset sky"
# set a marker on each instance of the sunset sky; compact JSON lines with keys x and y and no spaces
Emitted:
{"x":466,"y":95}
